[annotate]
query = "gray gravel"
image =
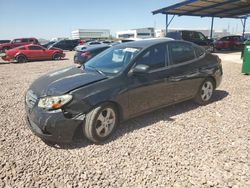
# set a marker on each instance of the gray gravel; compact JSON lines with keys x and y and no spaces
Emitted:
{"x":180,"y":146}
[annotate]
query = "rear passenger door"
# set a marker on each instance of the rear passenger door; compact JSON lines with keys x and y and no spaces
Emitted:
{"x":184,"y":69}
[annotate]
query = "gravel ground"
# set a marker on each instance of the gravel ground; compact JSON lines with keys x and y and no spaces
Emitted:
{"x":180,"y":146}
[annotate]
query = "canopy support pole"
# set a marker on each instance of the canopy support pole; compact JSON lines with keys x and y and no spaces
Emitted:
{"x":212,"y":26}
{"x":166,"y":24}
{"x":244,"y":27}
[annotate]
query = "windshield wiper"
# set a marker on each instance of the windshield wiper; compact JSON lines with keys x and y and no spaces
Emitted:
{"x":97,"y":70}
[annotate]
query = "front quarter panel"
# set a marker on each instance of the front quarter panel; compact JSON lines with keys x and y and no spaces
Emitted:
{"x":108,"y":90}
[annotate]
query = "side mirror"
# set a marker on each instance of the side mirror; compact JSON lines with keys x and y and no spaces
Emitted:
{"x":140,"y":69}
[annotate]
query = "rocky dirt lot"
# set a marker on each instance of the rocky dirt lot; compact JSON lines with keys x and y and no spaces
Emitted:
{"x":180,"y":146}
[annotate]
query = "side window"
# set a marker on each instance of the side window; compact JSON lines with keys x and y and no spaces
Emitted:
{"x":186,"y":35}
{"x":154,"y":57}
{"x":181,"y":52}
{"x":17,"y":40}
{"x":25,"y":40}
{"x":198,"y":51}
{"x":35,"y":48}
{"x":21,"y":48}
{"x":201,"y":36}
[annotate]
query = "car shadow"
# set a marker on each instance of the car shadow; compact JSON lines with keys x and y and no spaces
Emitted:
{"x":49,"y":60}
{"x":163,"y":114}
{"x":4,"y":62}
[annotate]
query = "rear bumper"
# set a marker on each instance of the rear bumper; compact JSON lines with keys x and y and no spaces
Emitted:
{"x":218,"y":76}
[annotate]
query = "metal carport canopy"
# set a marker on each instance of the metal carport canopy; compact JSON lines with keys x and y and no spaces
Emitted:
{"x":238,"y":9}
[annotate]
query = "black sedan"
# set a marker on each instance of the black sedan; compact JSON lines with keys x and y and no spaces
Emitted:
{"x":122,"y":82}
{"x":87,"y":52}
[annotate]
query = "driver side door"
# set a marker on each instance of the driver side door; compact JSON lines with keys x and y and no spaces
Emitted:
{"x":36,"y":52}
{"x":150,"y":90}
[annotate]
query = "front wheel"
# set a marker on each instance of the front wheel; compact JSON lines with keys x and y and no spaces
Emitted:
{"x":21,"y":59}
{"x":56,"y":56}
{"x":205,"y":92}
{"x":100,"y":123}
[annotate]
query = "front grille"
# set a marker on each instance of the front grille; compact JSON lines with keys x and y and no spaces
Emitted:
{"x":31,"y":99}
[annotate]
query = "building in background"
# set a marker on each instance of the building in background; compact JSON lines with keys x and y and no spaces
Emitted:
{"x":159,"y":33}
{"x":142,"y":33}
{"x":90,"y":34}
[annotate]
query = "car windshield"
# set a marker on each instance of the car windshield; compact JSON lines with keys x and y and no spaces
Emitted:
{"x":112,"y":61}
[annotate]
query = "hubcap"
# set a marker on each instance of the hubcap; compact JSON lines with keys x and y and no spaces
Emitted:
{"x":105,"y":122}
{"x":207,"y":91}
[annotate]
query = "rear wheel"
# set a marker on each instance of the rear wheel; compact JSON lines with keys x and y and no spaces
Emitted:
{"x":21,"y":59}
{"x":205,"y":92}
{"x":100,"y":123}
{"x":56,"y":56}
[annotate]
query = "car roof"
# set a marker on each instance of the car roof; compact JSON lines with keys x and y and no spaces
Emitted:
{"x":233,"y":36}
{"x":144,"y":43}
{"x":24,"y":38}
{"x":92,"y":47}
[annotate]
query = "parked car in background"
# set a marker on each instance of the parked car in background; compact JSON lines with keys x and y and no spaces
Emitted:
{"x":89,"y":43}
{"x":66,"y":44}
{"x":192,"y":36}
{"x":4,"y":41}
{"x":85,"y":53}
{"x":48,"y":44}
{"x":122,"y":82}
{"x":93,"y":43}
{"x":234,"y":42}
{"x":32,"y":52}
{"x":17,"y":42}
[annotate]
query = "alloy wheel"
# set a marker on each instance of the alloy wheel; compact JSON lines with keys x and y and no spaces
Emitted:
{"x":105,"y":122}
{"x":207,"y":91}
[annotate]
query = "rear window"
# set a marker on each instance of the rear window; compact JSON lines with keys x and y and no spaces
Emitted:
{"x":181,"y":52}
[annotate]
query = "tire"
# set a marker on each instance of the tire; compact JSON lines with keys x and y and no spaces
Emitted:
{"x":100,"y":123}
{"x":205,"y":92}
{"x":21,"y":59}
{"x":56,"y":56}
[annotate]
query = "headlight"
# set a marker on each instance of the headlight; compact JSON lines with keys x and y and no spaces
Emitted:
{"x":55,"y":102}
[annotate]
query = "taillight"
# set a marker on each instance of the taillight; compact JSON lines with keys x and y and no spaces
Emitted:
{"x":86,"y":54}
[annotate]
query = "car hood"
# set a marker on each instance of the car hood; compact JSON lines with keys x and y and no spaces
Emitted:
{"x":64,"y":80}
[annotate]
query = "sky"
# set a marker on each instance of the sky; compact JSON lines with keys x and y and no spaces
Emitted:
{"x":57,"y":18}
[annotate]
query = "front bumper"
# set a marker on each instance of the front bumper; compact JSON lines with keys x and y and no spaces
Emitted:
{"x":52,"y":126}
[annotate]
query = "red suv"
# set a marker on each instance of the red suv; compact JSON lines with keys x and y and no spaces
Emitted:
{"x":17,"y":42}
{"x":235,"y":42}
